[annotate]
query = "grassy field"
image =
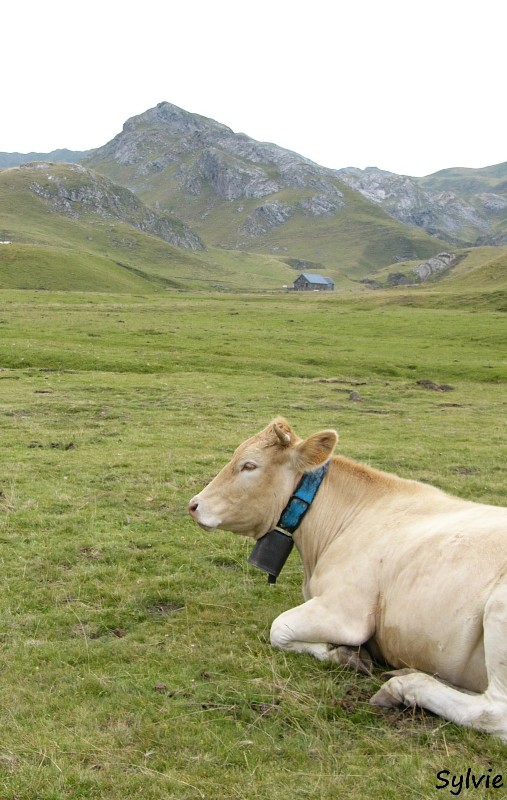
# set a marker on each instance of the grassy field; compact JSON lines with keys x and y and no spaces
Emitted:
{"x":134,"y":648}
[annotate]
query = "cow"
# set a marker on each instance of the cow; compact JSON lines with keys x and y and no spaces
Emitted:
{"x":395,"y":571}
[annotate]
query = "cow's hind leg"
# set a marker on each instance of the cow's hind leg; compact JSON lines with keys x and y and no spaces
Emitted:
{"x":485,"y":712}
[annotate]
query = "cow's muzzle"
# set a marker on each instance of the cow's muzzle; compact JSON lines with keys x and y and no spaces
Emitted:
{"x":198,"y":512}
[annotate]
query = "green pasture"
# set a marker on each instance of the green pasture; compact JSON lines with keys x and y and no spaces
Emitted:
{"x":134,"y":647}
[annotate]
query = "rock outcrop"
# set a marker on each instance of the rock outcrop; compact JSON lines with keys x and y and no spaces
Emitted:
{"x":232,"y":178}
{"x":433,"y":266}
{"x":420,"y":273}
{"x":73,"y":190}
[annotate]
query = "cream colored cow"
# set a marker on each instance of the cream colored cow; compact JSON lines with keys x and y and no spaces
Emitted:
{"x":394,"y":569}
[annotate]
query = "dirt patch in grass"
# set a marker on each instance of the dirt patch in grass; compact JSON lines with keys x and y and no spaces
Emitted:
{"x":165,"y":608}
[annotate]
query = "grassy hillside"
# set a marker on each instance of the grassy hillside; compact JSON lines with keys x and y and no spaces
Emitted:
{"x":359,"y":238}
{"x":83,"y":251}
{"x":481,"y":269}
{"x":61,"y":269}
{"x":484,"y":280}
{"x":49,"y":249}
{"x":134,"y":647}
{"x":356,"y":240}
{"x":153,"y":267}
{"x":351,"y":243}
{"x":54,"y":248}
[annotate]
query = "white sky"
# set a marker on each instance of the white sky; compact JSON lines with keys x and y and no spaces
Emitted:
{"x":410,"y":87}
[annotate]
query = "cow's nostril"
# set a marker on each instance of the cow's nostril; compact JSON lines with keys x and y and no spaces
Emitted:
{"x":193,"y":506}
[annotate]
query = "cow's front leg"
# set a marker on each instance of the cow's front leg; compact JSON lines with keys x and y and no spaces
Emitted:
{"x":323,"y":633}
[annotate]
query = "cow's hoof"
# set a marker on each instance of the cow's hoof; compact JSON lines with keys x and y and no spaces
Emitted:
{"x":386,"y":698}
{"x":354,"y":658}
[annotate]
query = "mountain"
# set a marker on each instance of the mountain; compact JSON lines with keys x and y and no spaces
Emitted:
{"x":179,"y":200}
{"x":8,"y":160}
{"x":462,"y":206}
{"x":240,"y":194}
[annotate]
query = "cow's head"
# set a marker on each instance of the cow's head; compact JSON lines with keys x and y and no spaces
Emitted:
{"x":250,"y":492}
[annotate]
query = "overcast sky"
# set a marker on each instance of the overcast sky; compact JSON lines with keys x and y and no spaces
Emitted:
{"x":407,"y":86}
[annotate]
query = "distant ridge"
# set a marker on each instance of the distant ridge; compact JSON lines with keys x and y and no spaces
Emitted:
{"x":8,"y":160}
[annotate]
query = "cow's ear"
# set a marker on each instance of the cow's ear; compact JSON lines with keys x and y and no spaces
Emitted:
{"x":315,"y":450}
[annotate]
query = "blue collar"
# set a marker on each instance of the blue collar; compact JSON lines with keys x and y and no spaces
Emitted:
{"x":272,"y":550}
{"x":301,"y":499}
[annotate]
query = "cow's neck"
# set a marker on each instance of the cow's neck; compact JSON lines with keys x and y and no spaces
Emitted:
{"x":346,"y":491}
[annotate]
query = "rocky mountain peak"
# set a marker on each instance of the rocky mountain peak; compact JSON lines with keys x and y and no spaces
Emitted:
{"x":199,"y":162}
{"x":166,"y":135}
{"x":175,"y":120}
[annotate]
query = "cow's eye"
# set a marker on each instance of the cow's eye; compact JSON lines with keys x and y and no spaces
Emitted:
{"x":248,"y":466}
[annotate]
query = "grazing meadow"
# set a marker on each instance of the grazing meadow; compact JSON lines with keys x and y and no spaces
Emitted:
{"x":134,"y":647}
